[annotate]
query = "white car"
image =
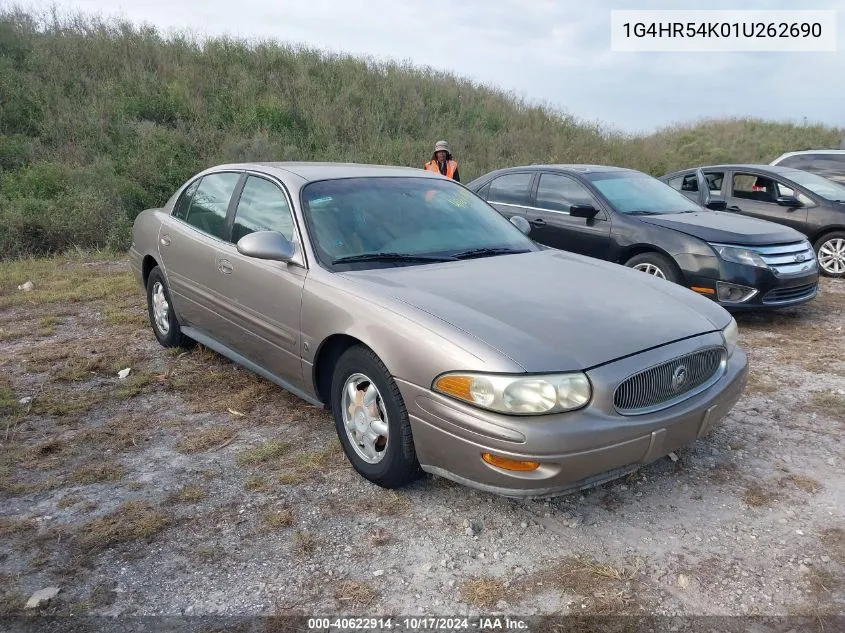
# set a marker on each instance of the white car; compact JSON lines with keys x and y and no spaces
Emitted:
{"x":829,"y":163}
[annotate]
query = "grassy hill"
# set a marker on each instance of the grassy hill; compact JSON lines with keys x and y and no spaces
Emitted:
{"x":99,"y":120}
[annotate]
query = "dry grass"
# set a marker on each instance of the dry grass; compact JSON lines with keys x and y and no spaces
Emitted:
{"x":131,"y":521}
{"x":16,"y":527}
{"x":119,"y":434}
{"x":830,"y":404}
{"x":97,"y":472}
{"x":279,"y":519}
{"x":187,"y":494}
{"x":206,"y":439}
{"x":761,"y":384}
{"x":257,"y":483}
{"x":380,"y":537}
{"x":756,"y":496}
{"x":802,"y":482}
{"x":355,"y":594}
{"x":483,"y":592}
{"x":210,"y":383}
{"x":604,"y":589}
{"x":304,"y":543}
{"x":833,"y":540}
{"x":269,"y":451}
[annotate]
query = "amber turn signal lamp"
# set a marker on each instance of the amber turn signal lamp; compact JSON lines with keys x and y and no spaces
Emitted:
{"x":704,"y":291}
{"x":457,"y":386}
{"x":509,"y":464}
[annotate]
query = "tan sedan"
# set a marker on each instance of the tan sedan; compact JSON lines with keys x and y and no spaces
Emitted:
{"x":443,"y":339}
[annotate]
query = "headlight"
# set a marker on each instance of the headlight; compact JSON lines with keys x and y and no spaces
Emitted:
{"x":517,"y":395}
{"x":740,"y":255}
{"x":731,"y":335}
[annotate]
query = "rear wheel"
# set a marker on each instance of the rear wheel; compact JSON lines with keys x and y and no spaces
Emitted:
{"x":162,"y":318}
{"x":371,"y":420}
{"x":830,"y":250}
{"x":656,"y":265}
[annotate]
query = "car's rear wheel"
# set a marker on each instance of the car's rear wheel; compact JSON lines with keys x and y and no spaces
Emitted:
{"x":162,"y":318}
{"x":656,"y":265}
{"x":830,"y":250}
{"x":371,"y":420}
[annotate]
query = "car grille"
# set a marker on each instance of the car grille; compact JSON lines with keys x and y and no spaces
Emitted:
{"x":661,"y":386}
{"x":789,"y":295}
{"x":787,"y":259}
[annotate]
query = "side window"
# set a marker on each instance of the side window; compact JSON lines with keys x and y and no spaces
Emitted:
{"x":714,"y":182}
{"x":558,"y":193}
{"x":210,"y":202}
{"x":180,"y":209}
{"x":262,"y":207}
{"x":675,"y":182}
{"x":800,"y":161}
{"x":753,"y":187}
{"x":783,"y":190}
{"x":511,"y":188}
{"x":484,"y":191}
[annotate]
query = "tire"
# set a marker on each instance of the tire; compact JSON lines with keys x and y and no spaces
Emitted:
{"x":834,"y":255}
{"x":173,"y":336}
{"x":395,"y":465}
{"x":662,"y":266}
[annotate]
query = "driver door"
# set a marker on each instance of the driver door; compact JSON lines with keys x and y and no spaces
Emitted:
{"x":552,"y":225}
{"x":264,"y":297}
{"x":756,"y":196}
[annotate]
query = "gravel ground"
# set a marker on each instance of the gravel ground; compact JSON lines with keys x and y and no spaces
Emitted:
{"x":194,"y":487}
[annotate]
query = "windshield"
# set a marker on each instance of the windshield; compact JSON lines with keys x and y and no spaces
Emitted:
{"x":639,"y":194}
{"x":819,"y":185}
{"x":410,"y":219}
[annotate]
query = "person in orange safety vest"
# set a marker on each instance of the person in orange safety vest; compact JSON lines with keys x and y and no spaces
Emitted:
{"x":442,"y":162}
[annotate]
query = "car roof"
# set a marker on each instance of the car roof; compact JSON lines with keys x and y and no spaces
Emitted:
{"x":801,"y":152}
{"x":580,"y":168}
{"x":311,"y":171}
{"x":775,"y":169}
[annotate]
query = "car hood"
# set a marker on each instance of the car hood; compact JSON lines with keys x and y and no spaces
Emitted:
{"x":724,"y":227}
{"x":548,"y":310}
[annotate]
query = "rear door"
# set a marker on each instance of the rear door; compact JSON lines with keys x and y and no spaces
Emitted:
{"x":188,"y":244}
{"x":756,"y":195}
{"x":552,"y":225}
{"x":510,"y":194}
{"x":264,"y":298}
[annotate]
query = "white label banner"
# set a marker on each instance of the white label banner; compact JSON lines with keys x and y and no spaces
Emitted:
{"x":723,"y":31}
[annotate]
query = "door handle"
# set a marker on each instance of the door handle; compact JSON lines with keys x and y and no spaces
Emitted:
{"x":225,"y":266}
{"x":164,"y":240}
{"x":538,"y":222}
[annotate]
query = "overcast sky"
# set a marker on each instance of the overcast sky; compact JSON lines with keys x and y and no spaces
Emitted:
{"x":554,"y":52}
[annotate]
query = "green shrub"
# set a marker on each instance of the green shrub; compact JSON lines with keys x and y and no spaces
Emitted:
{"x":100,"y":120}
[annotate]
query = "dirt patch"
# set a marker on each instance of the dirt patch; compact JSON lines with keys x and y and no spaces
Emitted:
{"x":195,"y":487}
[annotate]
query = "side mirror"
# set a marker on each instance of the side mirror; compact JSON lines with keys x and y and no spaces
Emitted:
{"x":267,"y":245}
{"x":788,"y":201}
{"x":717,"y":203}
{"x":521,"y":223}
{"x":587,"y":211}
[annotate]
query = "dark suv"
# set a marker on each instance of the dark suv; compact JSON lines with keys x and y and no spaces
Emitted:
{"x":808,"y":203}
{"x":627,"y":217}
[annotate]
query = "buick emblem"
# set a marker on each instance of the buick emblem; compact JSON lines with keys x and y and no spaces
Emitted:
{"x":679,"y":377}
{"x":800,"y":257}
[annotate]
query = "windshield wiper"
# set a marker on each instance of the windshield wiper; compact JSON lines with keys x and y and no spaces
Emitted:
{"x":487,"y":252}
{"x":391,"y":257}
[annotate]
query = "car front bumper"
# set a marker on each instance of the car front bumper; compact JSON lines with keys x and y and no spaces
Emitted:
{"x":773,"y":290}
{"x":578,"y":449}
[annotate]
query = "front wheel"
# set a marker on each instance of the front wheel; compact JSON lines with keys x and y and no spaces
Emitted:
{"x":371,"y":420}
{"x":656,"y":265}
{"x":830,"y":250}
